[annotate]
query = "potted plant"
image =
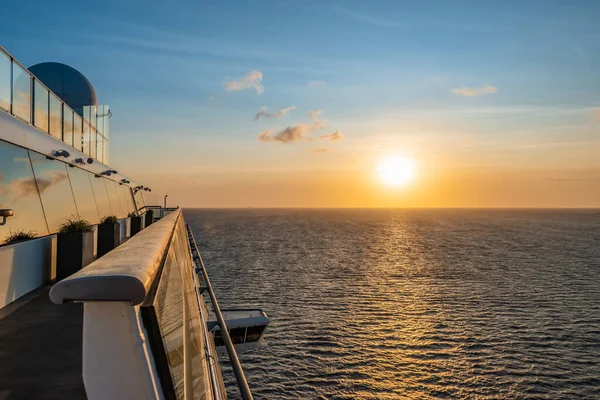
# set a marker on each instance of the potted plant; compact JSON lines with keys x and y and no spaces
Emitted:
{"x":74,"y":247}
{"x":149,"y":215}
{"x":136,"y":223}
{"x":19,"y":236}
{"x":109,"y":234}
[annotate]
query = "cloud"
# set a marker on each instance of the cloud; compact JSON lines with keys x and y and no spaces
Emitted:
{"x":314,"y":114}
{"x":320,"y":150}
{"x":24,"y":187}
{"x":476,"y":91}
{"x":288,"y":135}
{"x":262,"y":112}
{"x":337,"y":135}
{"x":316,"y":84}
{"x":251,"y":80}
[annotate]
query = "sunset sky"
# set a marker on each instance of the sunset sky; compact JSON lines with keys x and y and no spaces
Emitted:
{"x":296,"y":104}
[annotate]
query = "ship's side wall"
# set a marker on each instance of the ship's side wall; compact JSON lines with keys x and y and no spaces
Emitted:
{"x":25,"y":267}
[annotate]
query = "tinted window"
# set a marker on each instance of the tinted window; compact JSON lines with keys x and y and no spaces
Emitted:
{"x":77,"y":133}
{"x":84,"y":194}
{"x":55,"y":117}
{"x":93,"y":142}
{"x":86,"y":137}
{"x":139,"y":201}
{"x":21,"y":93}
{"x":4,"y":81}
{"x":55,"y":190}
{"x":40,"y":106}
{"x":68,"y":126}
{"x":126,"y":198}
{"x":99,"y":147}
{"x":101,"y":196}
{"x":112,"y":188}
{"x":18,"y":192}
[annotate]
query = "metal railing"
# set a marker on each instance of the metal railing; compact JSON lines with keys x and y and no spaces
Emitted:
{"x":235,"y":362}
{"x":27,"y":98}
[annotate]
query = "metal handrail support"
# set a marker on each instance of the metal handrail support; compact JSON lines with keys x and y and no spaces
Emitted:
{"x":235,"y":362}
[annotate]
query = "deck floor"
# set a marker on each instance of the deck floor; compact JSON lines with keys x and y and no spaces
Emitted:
{"x":40,"y":351}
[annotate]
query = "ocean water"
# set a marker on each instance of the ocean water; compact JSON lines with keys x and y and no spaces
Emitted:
{"x":392,"y":304}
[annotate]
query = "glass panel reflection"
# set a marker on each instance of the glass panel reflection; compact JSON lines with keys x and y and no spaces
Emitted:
{"x":21,"y":92}
{"x":4,"y":81}
{"x":55,"y":117}
{"x":86,"y":137}
{"x":139,"y":201}
{"x":19,"y":193}
{"x":126,"y":199}
{"x":40,"y":106}
{"x":101,"y":196}
{"x":55,"y":190}
{"x":112,"y":188}
{"x":84,"y":194}
{"x":68,"y":125}
{"x":93,"y":142}
{"x":99,"y":147}
{"x":77,"y":132}
{"x":168,"y":305}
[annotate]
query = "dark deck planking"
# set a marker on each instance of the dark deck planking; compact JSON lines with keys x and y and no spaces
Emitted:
{"x":40,"y":351}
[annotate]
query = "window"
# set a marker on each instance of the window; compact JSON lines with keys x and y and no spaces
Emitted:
{"x":77,"y":132}
{"x":237,"y":335}
{"x":139,"y":200}
{"x":40,"y":106}
{"x":86,"y":137}
{"x":18,"y":192}
{"x":92,"y":142}
{"x":84,"y":194}
{"x":254,"y":332}
{"x":21,"y":93}
{"x":55,"y":117}
{"x":112,"y":188}
{"x":99,"y":147}
{"x":55,"y":190}
{"x":126,"y":199}
{"x":4,"y":81}
{"x":101,"y":196}
{"x":67,"y":125}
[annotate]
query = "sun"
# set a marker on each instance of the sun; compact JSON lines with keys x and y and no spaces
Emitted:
{"x":396,"y":171}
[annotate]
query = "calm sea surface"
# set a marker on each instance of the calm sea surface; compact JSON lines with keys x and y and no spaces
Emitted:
{"x":378,"y":304}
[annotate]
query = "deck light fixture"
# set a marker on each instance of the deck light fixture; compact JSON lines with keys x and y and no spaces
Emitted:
{"x":61,"y":153}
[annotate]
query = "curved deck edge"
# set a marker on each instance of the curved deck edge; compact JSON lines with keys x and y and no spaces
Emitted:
{"x":124,"y":274}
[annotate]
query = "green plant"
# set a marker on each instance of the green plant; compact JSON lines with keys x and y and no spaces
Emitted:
{"x":75,"y":226}
{"x":132,"y":214}
{"x":111,"y":219}
{"x":19,"y":236}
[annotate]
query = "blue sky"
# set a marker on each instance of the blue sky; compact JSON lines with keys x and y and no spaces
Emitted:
{"x":465,"y":83}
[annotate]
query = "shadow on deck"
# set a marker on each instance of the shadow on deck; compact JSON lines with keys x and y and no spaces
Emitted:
{"x":40,"y":351}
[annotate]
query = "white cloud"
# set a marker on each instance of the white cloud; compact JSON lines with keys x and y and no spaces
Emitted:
{"x":262,"y":112}
{"x":320,"y":150}
{"x":337,"y":135}
{"x":288,"y":135}
{"x":314,"y":114}
{"x":476,"y":91}
{"x":316,"y":84}
{"x":251,"y":80}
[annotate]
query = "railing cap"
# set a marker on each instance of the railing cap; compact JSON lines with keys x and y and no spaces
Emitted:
{"x":124,"y":274}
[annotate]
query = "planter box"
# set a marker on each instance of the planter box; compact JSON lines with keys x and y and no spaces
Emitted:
{"x":26,"y":266}
{"x":136,"y":225}
{"x":74,"y":251}
{"x":149,"y":217}
{"x":109,"y":237}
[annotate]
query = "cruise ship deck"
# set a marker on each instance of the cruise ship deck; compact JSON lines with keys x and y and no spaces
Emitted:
{"x":41,"y":349}
{"x":102,"y":294}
